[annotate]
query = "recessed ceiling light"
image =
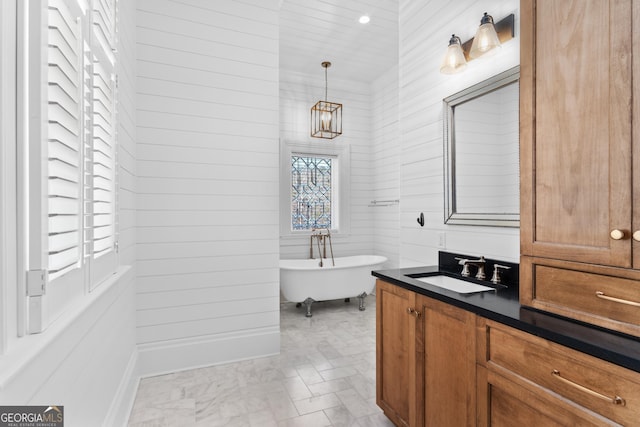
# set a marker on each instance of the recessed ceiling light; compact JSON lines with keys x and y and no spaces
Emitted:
{"x":364,"y":19}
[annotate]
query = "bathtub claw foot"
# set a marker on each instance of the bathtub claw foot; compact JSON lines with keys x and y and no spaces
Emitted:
{"x":308,"y":303}
{"x":361,"y":298}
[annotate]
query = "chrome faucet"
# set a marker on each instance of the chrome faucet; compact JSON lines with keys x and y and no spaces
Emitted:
{"x":497,"y":278}
{"x":465,"y":263}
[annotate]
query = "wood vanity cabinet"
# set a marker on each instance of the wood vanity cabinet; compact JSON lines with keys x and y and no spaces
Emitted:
{"x":439,"y":365}
{"x":425,"y":359}
{"x":527,"y":380}
{"x":580,"y":160}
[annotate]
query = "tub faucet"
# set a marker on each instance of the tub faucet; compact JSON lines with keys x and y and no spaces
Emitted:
{"x":321,"y":236}
{"x":465,"y":263}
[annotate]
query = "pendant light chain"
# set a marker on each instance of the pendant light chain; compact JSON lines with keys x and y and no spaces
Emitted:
{"x":326,"y":84}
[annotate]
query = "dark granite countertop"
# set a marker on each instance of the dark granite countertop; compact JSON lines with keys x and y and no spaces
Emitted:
{"x":502,"y":305}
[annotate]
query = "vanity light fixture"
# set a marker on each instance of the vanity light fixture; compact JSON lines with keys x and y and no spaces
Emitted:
{"x":453,"y":61}
{"x":326,"y":117}
{"x":488,"y":38}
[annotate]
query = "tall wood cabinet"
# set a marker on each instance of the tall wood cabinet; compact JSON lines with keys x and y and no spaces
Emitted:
{"x":425,"y":359}
{"x":580,"y":160}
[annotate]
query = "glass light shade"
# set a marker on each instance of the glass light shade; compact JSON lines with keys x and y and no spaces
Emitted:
{"x":453,"y":61}
{"x":486,"y":39}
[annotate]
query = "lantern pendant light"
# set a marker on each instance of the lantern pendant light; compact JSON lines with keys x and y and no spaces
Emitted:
{"x":326,"y":117}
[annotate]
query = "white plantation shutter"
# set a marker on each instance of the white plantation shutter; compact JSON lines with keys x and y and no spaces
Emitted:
{"x":64,"y":139}
{"x":54,"y":134}
{"x":101,"y":218}
{"x":103,"y":160}
{"x":71,"y":167}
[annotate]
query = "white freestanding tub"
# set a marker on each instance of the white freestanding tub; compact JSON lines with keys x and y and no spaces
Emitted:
{"x":303,"y":280}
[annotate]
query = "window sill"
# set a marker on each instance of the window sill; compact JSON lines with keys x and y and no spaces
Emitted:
{"x":305,"y":235}
{"x":27,"y":348}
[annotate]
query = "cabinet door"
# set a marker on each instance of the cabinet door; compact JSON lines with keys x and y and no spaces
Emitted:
{"x":636,"y":133}
{"x":395,"y":353}
{"x":446,"y":343}
{"x":575,"y":107}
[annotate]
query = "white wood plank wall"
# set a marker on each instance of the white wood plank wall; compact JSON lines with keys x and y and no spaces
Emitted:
{"x":298,"y":93}
{"x":207,"y":182}
{"x":386,"y":166}
{"x":423,"y":41}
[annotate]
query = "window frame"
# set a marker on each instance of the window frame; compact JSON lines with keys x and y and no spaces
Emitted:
{"x":8,"y":159}
{"x":341,"y":205}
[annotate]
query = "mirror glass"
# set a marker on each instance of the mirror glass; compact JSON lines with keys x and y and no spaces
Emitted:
{"x":482,"y":173}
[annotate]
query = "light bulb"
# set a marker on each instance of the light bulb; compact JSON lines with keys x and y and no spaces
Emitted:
{"x":325,"y":121}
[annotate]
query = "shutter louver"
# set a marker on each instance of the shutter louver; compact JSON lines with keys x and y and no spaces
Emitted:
{"x":64,"y":139}
{"x":104,"y":23}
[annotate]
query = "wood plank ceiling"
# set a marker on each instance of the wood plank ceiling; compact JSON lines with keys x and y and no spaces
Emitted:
{"x":312,"y":31}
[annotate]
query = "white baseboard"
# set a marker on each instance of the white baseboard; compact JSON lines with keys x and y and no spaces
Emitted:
{"x":122,"y":403}
{"x":179,"y":355}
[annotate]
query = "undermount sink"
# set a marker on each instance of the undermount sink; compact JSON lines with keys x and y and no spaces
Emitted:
{"x":455,"y":285}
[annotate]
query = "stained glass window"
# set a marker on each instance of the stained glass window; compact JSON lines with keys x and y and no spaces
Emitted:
{"x":311,"y":191}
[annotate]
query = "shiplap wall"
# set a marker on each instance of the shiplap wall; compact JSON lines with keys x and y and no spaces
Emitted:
{"x":207,"y":187}
{"x":298,"y":93}
{"x":87,"y":358}
{"x":423,"y":41}
{"x":386,"y":166}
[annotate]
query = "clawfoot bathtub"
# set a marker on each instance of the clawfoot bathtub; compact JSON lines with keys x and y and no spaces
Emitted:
{"x":303,"y":280}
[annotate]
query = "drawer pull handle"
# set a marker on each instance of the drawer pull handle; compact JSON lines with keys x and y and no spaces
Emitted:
{"x":617,"y":400}
{"x":600,"y":294}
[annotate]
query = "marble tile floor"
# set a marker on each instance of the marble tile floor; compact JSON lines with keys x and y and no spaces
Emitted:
{"x":324,"y":376}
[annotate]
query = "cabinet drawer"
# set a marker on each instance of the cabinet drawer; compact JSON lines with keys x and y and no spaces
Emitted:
{"x":608,"y":301}
{"x":510,"y":401}
{"x":600,"y":386}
